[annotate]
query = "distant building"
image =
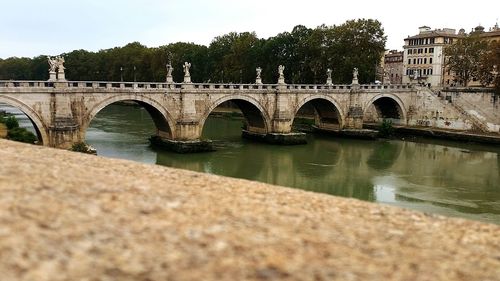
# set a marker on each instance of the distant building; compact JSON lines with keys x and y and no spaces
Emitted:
{"x":493,"y":35}
{"x":423,"y":54}
{"x":393,"y":66}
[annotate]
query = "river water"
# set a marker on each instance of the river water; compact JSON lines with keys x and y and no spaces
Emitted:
{"x":448,"y":178}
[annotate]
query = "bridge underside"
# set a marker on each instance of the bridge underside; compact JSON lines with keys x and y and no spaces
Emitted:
{"x":384,"y":108}
{"x":163,"y":129}
{"x":254,"y":119}
{"x":40,"y":130}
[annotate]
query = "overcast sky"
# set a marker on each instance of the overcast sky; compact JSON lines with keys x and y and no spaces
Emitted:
{"x":33,"y":27}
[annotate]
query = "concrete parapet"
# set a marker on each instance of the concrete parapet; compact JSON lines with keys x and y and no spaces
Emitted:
{"x":70,"y":216}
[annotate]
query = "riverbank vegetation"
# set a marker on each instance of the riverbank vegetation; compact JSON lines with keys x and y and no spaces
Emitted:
{"x":9,"y":128}
{"x":386,"y":129}
{"x":305,"y":52}
{"x":83,"y":148}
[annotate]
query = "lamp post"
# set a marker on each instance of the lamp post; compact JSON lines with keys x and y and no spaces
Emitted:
{"x":121,"y":73}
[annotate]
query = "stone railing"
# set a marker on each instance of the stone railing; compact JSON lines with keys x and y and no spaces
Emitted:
{"x":200,"y":86}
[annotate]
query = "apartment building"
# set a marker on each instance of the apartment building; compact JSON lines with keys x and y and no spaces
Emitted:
{"x":423,"y":57}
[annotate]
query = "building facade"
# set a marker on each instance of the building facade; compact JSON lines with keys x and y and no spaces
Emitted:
{"x":493,"y":35}
{"x":393,"y":67}
{"x":423,"y":57}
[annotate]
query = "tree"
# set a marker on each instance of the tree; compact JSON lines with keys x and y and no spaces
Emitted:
{"x":489,"y":67}
{"x":233,"y":57}
{"x":464,"y":57}
{"x":356,"y":43}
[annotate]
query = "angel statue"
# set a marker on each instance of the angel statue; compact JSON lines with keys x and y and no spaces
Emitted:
{"x":52,"y":64}
{"x":60,"y":62}
{"x":169,"y":69}
{"x":281,"y":68}
{"x":186,"y":67}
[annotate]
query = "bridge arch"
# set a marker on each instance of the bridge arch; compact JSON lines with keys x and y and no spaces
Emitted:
{"x":387,"y":106}
{"x":37,"y":121}
{"x":162,"y":119}
{"x":327,"y":108}
{"x":256,"y":117}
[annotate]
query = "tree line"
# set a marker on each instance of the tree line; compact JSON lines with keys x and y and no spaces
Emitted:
{"x":474,"y":58}
{"x":306,"y":53}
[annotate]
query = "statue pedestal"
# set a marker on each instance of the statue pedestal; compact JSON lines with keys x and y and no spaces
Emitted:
{"x":52,"y":76}
{"x":355,"y":81}
{"x":61,"y":76}
{"x":329,"y":81}
{"x":281,"y":80}
{"x":187,"y":79}
{"x":258,"y":81}
{"x":170,"y":79}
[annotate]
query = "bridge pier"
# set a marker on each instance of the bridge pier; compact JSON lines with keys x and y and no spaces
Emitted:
{"x":276,"y":138}
{"x":187,"y":138}
{"x":281,"y":133}
{"x":63,"y":133}
{"x":354,"y":119}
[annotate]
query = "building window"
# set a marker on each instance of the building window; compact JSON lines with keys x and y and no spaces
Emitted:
{"x":409,"y":61}
{"x":430,"y":60}
{"x":431,"y":50}
{"x":414,"y":61}
{"x":425,"y":60}
{"x":432,"y":40}
{"x":430,"y":71}
{"x":409,"y":51}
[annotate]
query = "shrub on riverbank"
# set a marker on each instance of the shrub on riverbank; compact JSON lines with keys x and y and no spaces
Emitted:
{"x":21,"y":135}
{"x":14,"y":132}
{"x":386,"y":129}
{"x":83,"y":148}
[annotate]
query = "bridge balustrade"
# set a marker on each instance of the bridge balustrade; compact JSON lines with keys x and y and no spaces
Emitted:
{"x":199,"y":86}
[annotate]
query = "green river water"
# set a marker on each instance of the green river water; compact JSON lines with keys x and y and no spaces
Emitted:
{"x":448,"y":178}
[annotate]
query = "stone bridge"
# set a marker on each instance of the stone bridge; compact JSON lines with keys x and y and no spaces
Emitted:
{"x":61,"y":111}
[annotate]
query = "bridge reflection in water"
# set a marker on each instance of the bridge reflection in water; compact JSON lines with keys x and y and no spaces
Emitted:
{"x":440,"y":177}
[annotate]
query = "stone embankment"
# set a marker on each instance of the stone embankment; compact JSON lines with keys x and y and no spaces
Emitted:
{"x":70,"y":216}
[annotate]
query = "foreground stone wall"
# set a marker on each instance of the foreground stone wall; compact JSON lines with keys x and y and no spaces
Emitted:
{"x":69,"y":216}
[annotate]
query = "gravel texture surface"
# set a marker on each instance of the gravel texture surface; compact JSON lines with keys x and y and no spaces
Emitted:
{"x":70,"y":216}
